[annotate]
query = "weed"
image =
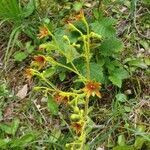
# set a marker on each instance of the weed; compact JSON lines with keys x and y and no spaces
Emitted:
{"x":89,"y":45}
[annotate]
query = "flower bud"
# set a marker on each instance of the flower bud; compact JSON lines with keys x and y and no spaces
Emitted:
{"x":76,"y":110}
{"x":75,"y":117}
{"x":95,"y":35}
{"x":65,"y":37}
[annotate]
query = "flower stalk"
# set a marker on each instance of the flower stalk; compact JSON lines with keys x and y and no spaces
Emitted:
{"x":77,"y":99}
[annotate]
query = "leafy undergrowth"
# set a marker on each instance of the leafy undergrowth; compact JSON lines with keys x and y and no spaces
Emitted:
{"x":51,"y":64}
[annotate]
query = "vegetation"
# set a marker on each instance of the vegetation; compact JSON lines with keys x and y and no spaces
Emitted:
{"x":74,"y":74}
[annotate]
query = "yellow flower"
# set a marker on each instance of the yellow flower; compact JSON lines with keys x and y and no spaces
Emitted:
{"x":75,"y":17}
{"x":77,"y":127}
{"x":60,"y":99}
{"x":43,"y":32}
{"x":29,"y":73}
{"x":39,"y":61}
{"x":79,"y":16}
{"x":92,"y":88}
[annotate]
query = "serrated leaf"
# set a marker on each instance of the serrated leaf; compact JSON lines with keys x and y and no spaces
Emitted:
{"x":20,"y":56}
{"x":68,"y":51}
{"x":52,"y":106}
{"x":116,"y":80}
{"x":104,"y":27}
{"x":71,"y":54}
{"x":117,"y":76}
{"x":110,"y":46}
{"x":62,"y":43}
{"x":96,"y":72}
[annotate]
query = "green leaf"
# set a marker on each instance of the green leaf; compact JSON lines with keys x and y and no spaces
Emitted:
{"x":49,"y":72}
{"x":56,"y":133}
{"x":20,"y":56}
{"x":77,"y":6}
{"x":10,"y":9}
{"x":10,"y":128}
{"x":49,"y":46}
{"x":29,"y":47}
{"x":24,"y":140}
{"x":110,"y":46}
{"x":116,"y":80}
{"x":139,"y":141}
{"x":6,"y":128}
{"x":15,"y":125}
{"x":29,"y":8}
{"x":52,"y":106}
{"x":117,"y":76}
{"x":121,"y":97}
{"x":62,"y":76}
{"x":146,"y":2}
{"x":3,"y":143}
{"x":147,"y":61}
{"x":90,"y":125}
{"x":141,"y":128}
{"x":138,"y":63}
{"x":67,"y":50}
{"x":127,"y":109}
{"x":71,"y":53}
{"x":104,"y":27}
{"x":96,"y":72}
{"x":121,"y":140}
{"x":125,"y":147}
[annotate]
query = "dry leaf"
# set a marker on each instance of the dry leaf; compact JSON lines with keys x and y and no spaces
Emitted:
{"x":8,"y":111}
{"x":22,"y":93}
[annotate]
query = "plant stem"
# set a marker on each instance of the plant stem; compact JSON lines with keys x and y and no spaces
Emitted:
{"x":87,"y":48}
{"x":87,"y":53}
{"x":83,"y":133}
{"x":75,"y":71}
{"x":48,"y":82}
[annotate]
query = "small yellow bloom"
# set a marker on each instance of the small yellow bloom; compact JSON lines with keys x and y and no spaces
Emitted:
{"x":80,"y":15}
{"x":43,"y":32}
{"x":92,"y":88}
{"x":29,"y":73}
{"x":60,"y":99}
{"x":77,"y":127}
{"x":39,"y":61}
